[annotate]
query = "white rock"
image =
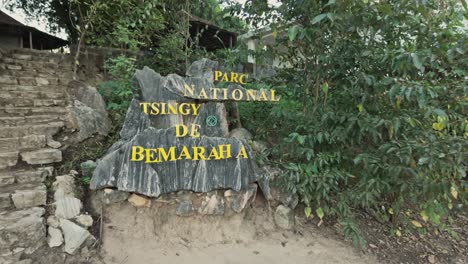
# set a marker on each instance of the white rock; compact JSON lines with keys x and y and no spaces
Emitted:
{"x":74,"y":234}
{"x":64,"y":185}
{"x":55,"y":238}
{"x":53,"y":221}
{"x":84,"y":220}
{"x":68,"y":207}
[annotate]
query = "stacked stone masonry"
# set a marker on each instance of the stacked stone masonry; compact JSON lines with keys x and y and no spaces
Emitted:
{"x":35,"y":105}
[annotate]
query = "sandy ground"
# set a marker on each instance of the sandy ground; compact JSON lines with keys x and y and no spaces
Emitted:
{"x":156,"y":235}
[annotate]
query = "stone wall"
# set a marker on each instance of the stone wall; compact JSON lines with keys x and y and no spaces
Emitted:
{"x":39,"y":116}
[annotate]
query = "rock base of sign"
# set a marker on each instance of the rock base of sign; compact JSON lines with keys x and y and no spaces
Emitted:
{"x":183,"y":203}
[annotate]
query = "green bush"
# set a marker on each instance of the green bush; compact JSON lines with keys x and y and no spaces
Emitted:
{"x":117,"y":92}
{"x":373,"y":111}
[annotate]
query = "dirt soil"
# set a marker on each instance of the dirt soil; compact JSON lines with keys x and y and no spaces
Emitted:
{"x":156,"y":235}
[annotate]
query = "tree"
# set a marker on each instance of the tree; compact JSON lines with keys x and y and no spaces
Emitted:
{"x":372,"y":115}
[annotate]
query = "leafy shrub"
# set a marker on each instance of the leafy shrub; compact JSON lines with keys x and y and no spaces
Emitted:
{"x":373,"y":111}
{"x":117,"y":92}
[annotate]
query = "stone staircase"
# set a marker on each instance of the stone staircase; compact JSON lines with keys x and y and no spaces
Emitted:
{"x":33,"y":108}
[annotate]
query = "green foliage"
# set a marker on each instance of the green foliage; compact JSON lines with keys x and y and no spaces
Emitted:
{"x":373,"y":111}
{"x":117,"y":92}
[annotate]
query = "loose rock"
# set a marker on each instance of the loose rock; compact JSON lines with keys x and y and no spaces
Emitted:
{"x":238,"y":200}
{"x":55,"y":238}
{"x":53,"y":221}
{"x":84,"y":220}
{"x":139,"y":201}
{"x":213,"y":205}
{"x":74,"y":234}
{"x":63,"y":186}
{"x":185,"y":208}
{"x":284,"y":217}
{"x":68,"y":207}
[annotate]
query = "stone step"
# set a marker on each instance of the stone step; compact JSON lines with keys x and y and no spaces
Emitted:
{"x":35,"y":94}
{"x":30,"y":111}
{"x":19,"y":101}
{"x":23,"y":195}
{"x":39,"y":53}
{"x":33,"y":71}
{"x":42,"y":156}
{"x":28,"y":120}
{"x":48,"y":130}
{"x":32,"y":81}
{"x":22,"y":231}
{"x":25,"y":176}
{"x":8,"y":159}
{"x":58,"y":88}
{"x":36,"y":63}
{"x":22,"y":143}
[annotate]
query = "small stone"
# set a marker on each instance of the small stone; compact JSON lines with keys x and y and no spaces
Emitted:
{"x":238,"y":200}
{"x":55,"y":238}
{"x":84,"y":220}
{"x":68,"y":207}
{"x":139,"y":201}
{"x":42,"y":81}
{"x":185,"y":208}
{"x":53,"y":144}
{"x":284,"y":217}
{"x":74,"y":234}
{"x":289,"y":199}
{"x":213,"y":205}
{"x":114,"y":196}
{"x":431,"y":259}
{"x":53,"y":221}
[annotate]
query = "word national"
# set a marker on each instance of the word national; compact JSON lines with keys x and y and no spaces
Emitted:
{"x":156,"y":155}
{"x":236,"y":94}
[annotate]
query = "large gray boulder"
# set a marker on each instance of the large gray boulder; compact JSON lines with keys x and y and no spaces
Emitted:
{"x":153,"y":131}
{"x":87,"y":113}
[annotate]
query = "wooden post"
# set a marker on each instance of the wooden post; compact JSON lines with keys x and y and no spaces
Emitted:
{"x":21,"y":41}
{"x":230,"y":41}
{"x":30,"y":40}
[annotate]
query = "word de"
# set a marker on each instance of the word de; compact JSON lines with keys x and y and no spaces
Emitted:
{"x":182,"y":131}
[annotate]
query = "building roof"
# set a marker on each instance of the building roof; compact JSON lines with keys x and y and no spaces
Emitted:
{"x":9,"y":24}
{"x":212,"y":36}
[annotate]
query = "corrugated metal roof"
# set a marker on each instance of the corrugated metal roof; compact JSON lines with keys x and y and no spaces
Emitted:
{"x":6,"y":19}
{"x":50,"y":41}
